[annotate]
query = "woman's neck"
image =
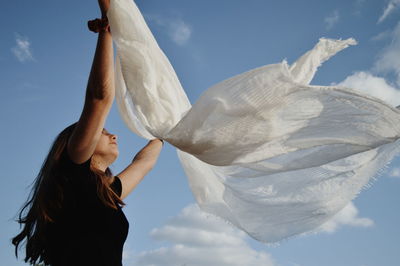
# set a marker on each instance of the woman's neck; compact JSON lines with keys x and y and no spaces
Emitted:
{"x":99,"y":164}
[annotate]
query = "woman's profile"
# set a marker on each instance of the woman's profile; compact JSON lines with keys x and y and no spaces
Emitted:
{"x":73,"y":215}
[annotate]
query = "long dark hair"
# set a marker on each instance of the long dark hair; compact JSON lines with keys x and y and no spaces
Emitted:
{"x":46,"y":197}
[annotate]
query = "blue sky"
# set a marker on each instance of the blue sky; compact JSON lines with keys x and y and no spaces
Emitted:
{"x":45,"y":58}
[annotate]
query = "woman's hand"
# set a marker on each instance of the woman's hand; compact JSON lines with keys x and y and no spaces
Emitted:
{"x":104,"y":5}
{"x":98,"y":25}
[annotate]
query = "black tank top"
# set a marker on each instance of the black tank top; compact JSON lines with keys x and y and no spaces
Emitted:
{"x":86,"y":232}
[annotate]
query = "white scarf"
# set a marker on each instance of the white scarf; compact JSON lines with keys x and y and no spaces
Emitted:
{"x":264,"y":150}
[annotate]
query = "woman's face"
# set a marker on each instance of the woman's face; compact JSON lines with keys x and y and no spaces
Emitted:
{"x":107,"y":146}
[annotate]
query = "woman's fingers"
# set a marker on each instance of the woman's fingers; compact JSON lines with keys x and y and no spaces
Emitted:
{"x":92,"y":25}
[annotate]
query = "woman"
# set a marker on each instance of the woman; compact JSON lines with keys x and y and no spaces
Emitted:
{"x":73,"y":215}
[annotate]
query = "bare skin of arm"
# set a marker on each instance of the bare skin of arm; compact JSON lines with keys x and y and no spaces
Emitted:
{"x":143,"y":162}
{"x":100,"y":94}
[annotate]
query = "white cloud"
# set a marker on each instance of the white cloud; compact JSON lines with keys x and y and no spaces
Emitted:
{"x":389,"y":59}
{"x":391,"y":6}
{"x":195,"y":238}
{"x":331,"y":20}
{"x":372,"y":85}
{"x":199,"y":239}
{"x":388,"y":62}
{"x":347,"y":216}
{"x":22,"y":49}
{"x":395,"y":172}
{"x":178,"y":30}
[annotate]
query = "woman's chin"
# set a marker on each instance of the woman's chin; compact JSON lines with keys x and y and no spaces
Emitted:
{"x":115,"y":155}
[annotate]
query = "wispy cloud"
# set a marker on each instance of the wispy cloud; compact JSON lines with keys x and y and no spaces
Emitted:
{"x":382,"y":35}
{"x":177,"y":29}
{"x":395,"y":172}
{"x":389,"y":59}
{"x":22,"y":49}
{"x":198,"y":239}
{"x":390,"y":8}
{"x":358,"y":5}
{"x":347,"y":216}
{"x":331,"y":20}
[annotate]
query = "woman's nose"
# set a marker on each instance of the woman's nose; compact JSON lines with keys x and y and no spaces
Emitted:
{"x":114,"y":137}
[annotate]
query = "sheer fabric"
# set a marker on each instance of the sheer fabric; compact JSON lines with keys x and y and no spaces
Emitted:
{"x":263,"y":150}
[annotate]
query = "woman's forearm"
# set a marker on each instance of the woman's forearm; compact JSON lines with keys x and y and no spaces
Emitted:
{"x":149,"y":154}
{"x":143,"y":162}
{"x":101,"y":80}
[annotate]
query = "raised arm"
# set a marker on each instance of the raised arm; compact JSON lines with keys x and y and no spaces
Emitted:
{"x":99,"y":97}
{"x":143,"y":162}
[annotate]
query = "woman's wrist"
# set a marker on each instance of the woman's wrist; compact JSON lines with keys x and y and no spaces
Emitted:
{"x":157,"y":140}
{"x":104,"y":5}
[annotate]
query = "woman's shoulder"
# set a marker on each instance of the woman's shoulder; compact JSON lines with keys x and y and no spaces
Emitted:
{"x":78,"y":175}
{"x":67,"y":161}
